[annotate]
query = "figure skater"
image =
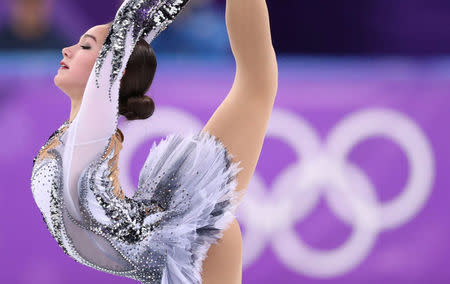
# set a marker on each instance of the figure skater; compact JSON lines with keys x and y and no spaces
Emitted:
{"x":179,"y":226}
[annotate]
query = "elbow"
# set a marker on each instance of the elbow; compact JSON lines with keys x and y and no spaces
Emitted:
{"x":260,"y":69}
{"x":274,"y":73}
{"x":260,"y":79}
{"x":265,"y":74}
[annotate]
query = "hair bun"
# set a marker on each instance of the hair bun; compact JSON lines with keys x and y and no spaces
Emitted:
{"x":136,"y":81}
{"x":140,"y":107}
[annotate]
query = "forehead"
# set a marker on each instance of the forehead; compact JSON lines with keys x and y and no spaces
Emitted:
{"x":99,"y":31}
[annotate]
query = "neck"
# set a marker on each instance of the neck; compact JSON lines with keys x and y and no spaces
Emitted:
{"x":74,"y":108}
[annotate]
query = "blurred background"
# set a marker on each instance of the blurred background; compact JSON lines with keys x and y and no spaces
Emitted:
{"x":351,"y":185}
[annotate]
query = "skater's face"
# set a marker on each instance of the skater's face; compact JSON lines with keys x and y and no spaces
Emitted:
{"x":80,"y":59}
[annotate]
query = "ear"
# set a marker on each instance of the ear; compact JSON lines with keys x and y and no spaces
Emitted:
{"x":123,"y":73}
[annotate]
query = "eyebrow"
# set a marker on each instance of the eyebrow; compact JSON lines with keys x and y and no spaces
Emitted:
{"x":91,"y":36}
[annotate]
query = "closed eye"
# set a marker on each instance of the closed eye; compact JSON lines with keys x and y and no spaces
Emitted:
{"x":85,"y":47}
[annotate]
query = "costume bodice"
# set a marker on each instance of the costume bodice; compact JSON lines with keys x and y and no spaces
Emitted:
{"x":47,"y":186}
{"x":184,"y":202}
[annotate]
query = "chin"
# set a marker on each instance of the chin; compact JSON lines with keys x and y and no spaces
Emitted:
{"x":56,"y":81}
{"x":58,"y":84}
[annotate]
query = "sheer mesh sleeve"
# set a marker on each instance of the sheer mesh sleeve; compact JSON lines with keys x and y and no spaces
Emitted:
{"x":91,"y":131}
{"x":96,"y":122}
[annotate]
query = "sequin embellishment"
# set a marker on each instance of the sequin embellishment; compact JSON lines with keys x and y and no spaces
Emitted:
{"x":127,"y":215}
{"x":145,"y":19}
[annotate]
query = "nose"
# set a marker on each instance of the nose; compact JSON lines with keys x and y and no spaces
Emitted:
{"x":66,"y":52}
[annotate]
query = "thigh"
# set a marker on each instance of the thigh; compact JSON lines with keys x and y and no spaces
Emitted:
{"x":223,"y":263}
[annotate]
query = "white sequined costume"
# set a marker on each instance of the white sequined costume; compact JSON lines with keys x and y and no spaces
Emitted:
{"x":186,"y":193}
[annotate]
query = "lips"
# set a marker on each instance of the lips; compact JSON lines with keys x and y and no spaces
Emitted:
{"x":63,"y":65}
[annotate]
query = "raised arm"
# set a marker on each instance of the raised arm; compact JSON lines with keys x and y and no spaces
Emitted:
{"x":96,"y":122}
{"x":85,"y":174}
{"x":241,"y":120}
{"x":251,"y":43}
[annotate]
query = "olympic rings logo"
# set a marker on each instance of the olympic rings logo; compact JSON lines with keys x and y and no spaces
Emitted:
{"x":269,"y":216}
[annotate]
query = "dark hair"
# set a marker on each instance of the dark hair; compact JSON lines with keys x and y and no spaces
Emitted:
{"x":140,"y":70}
